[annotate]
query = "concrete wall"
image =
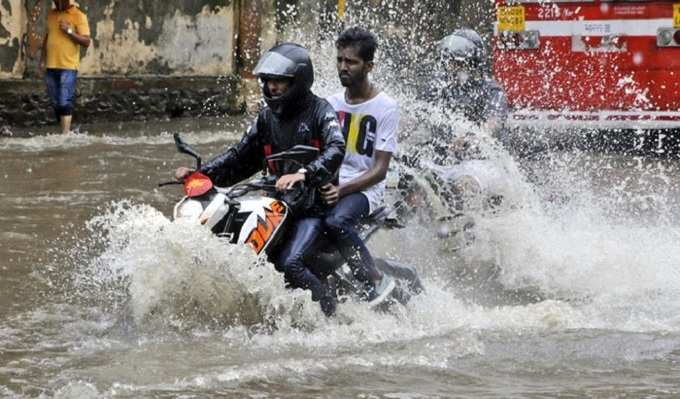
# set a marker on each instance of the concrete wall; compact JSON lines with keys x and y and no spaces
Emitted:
{"x":12,"y":30}
{"x":143,"y":37}
{"x":159,"y":37}
{"x":139,"y":52}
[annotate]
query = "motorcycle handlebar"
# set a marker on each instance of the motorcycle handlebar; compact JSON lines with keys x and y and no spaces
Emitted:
{"x":167,"y":183}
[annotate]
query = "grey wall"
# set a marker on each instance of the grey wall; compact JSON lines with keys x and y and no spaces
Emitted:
{"x":130,"y":37}
{"x":12,"y":29}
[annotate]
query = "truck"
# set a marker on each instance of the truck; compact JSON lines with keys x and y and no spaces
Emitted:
{"x":609,"y":68}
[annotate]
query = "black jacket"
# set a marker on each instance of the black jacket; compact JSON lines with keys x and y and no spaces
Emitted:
{"x":314,"y":123}
{"x":478,"y":99}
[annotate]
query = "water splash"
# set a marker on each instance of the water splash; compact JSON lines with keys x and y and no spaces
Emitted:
{"x":567,"y":246}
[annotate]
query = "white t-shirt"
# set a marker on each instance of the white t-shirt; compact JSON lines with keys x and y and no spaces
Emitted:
{"x":369,"y":126}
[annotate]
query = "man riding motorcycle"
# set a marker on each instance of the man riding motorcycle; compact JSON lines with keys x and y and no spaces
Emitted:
{"x":462,"y":85}
{"x":453,"y":162}
{"x":293,"y":115}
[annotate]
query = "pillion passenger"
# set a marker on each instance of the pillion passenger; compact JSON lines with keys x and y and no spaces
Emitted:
{"x":293,"y":115}
{"x":369,"y":119}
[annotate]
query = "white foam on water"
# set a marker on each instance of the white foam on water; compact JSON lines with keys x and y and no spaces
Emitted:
{"x":176,"y":270}
{"x":6,"y":392}
{"x":178,"y":276}
{"x":77,"y":390}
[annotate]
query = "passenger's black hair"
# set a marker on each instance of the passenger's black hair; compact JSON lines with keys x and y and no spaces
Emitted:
{"x":360,"y":38}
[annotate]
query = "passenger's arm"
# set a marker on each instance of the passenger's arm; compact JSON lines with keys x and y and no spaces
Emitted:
{"x":370,"y":178}
{"x":332,"y":194}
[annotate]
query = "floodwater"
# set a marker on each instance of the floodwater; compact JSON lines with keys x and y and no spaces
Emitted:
{"x":573,"y":293}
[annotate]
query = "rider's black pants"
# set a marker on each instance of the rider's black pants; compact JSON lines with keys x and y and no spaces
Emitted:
{"x":290,"y":259}
{"x":340,"y":223}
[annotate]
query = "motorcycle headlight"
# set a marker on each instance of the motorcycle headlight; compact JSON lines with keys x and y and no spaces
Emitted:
{"x":189,"y":210}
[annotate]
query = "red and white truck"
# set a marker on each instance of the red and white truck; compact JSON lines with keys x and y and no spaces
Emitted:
{"x":589,"y":64}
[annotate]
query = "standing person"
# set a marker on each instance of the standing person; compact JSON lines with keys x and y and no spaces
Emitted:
{"x":293,"y":115}
{"x":67,"y":32}
{"x":369,"y":119}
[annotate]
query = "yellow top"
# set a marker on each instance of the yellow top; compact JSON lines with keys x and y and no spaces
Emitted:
{"x":62,"y":52}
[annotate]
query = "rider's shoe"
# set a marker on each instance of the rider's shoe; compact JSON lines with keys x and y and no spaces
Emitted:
{"x":382,"y":290}
{"x":328,"y":305}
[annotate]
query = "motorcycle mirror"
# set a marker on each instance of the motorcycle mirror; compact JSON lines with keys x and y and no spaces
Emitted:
{"x":184,"y":148}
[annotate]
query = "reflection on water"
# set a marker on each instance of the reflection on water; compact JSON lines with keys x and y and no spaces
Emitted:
{"x":575,"y":292}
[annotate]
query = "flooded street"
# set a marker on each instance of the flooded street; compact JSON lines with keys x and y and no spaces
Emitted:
{"x":102,"y":296}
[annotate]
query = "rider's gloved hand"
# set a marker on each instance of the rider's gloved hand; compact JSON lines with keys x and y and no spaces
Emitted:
{"x":182,"y":172}
{"x":286,"y":182}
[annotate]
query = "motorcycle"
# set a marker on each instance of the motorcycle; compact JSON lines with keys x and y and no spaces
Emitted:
{"x":453,"y":185}
{"x":249,"y":214}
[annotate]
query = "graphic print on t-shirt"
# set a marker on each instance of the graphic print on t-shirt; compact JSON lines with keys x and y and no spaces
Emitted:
{"x":359,"y":131}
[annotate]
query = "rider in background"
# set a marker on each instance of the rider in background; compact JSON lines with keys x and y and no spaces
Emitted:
{"x":293,"y":115}
{"x":460,"y":87}
{"x":369,"y":119}
{"x":463,"y":85}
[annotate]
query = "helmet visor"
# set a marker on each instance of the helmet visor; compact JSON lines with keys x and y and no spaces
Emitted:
{"x":275,"y":65}
{"x":459,"y":48}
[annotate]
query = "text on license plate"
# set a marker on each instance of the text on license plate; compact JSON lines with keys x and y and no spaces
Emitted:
{"x":510,"y":19}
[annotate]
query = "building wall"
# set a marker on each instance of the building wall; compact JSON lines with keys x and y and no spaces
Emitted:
{"x":160,"y":37}
{"x":143,"y":37}
{"x":12,"y":29}
{"x":148,"y":58}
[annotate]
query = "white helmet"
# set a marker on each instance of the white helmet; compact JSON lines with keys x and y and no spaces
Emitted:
{"x":463,"y":45}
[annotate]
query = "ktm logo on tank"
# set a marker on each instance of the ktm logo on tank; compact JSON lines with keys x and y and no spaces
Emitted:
{"x":264,"y":232}
{"x":359,"y":131}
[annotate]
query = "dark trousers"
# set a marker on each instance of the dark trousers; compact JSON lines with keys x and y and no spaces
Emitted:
{"x":340,"y":223}
{"x":290,"y":260}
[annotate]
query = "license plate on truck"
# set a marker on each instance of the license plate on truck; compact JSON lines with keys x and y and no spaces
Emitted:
{"x":510,"y":19}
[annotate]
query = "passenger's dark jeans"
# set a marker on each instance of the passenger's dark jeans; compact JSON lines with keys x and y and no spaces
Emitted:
{"x":290,"y":260}
{"x":341,"y":222}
